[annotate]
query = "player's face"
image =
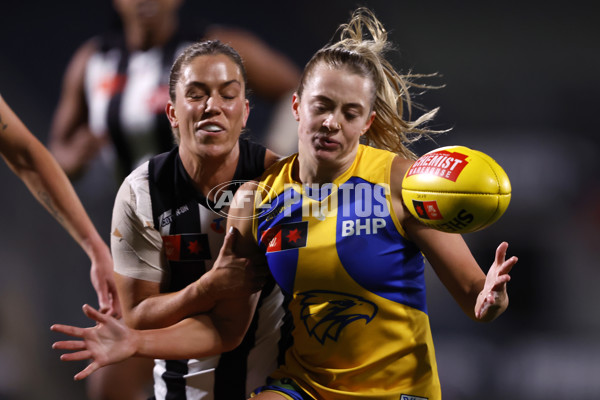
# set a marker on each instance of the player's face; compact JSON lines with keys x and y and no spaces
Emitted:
{"x":334,"y":111}
{"x":210,"y":108}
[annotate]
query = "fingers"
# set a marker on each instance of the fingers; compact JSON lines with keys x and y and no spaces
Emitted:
{"x":69,"y":345}
{"x":103,"y":300}
{"x":115,"y":310}
{"x":77,"y":356}
{"x":94,"y":314}
{"x":87,"y":371}
{"x":68,"y":330}
{"x":229,"y":241}
{"x":501,"y":281}
{"x":501,"y":253}
{"x":109,"y":303}
{"x":504,"y":266}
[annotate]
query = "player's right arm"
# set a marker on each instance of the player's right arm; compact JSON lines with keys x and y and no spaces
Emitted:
{"x":71,"y":141}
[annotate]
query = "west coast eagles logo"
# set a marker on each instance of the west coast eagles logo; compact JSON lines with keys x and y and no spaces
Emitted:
{"x":325,"y":313}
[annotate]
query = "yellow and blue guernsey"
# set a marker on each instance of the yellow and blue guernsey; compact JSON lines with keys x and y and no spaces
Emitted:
{"x":356,"y":284}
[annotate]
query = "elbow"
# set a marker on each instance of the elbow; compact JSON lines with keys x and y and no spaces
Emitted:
{"x":213,"y":345}
{"x":228,"y":335}
{"x":230,"y":342}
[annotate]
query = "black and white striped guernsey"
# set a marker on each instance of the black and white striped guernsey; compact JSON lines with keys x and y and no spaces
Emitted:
{"x":126,"y":93}
{"x":180,"y":212}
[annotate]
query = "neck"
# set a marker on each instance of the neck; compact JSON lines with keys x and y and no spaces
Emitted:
{"x":140,"y":36}
{"x":207,"y":172}
{"x":310,"y":170}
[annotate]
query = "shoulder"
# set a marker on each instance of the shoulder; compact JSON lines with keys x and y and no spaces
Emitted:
{"x":271,"y":158}
{"x":85,"y":52}
{"x":133,"y":196}
{"x":399,"y":167}
{"x":241,"y":210}
{"x":138,"y":178}
{"x":278,"y":166}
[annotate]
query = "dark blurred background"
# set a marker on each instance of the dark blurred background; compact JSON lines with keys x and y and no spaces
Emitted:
{"x":522,"y":83}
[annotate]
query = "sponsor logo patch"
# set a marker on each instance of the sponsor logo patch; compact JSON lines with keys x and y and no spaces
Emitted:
{"x":427,"y":209}
{"x":409,"y":397}
{"x":443,"y":163}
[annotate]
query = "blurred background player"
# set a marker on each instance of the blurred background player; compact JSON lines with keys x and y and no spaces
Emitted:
{"x":116,"y":86}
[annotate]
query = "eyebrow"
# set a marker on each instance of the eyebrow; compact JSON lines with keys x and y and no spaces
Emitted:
{"x":320,"y":97}
{"x":204,"y":85}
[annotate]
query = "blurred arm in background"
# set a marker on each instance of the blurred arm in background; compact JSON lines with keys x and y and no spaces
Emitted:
{"x":36,"y":167}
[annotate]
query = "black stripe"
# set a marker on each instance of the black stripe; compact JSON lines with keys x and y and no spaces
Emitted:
{"x":174,"y":379}
{"x":251,"y":163}
{"x":113,"y":116}
{"x":231,"y":373}
{"x":170,"y":188}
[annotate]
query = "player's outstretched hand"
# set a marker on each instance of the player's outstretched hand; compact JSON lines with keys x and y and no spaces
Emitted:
{"x":108,"y":342}
{"x":493,"y":299}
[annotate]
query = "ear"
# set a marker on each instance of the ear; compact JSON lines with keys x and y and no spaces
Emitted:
{"x":170,"y":110}
{"x":370,"y":120}
{"x":296,"y":106}
{"x":246,"y":113}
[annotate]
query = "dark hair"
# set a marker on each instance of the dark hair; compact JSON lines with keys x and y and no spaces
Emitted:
{"x":204,"y":48}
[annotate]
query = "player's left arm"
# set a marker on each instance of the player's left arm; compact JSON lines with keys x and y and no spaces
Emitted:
{"x":36,"y":167}
{"x":482,"y":297}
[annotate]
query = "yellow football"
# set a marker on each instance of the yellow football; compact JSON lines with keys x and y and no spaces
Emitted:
{"x":456,"y":189}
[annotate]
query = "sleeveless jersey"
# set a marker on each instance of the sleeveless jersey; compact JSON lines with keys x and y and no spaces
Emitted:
{"x":361,"y":328}
{"x":126,"y":93}
{"x":188,"y":235}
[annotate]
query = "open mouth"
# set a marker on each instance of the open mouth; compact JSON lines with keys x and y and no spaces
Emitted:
{"x":211,"y":128}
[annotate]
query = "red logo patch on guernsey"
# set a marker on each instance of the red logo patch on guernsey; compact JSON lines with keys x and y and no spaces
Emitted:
{"x":443,"y":163}
{"x":286,"y":236}
{"x":427,"y":209}
{"x":186,"y":247}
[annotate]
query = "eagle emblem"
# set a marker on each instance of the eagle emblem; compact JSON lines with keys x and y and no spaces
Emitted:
{"x":325,"y":313}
